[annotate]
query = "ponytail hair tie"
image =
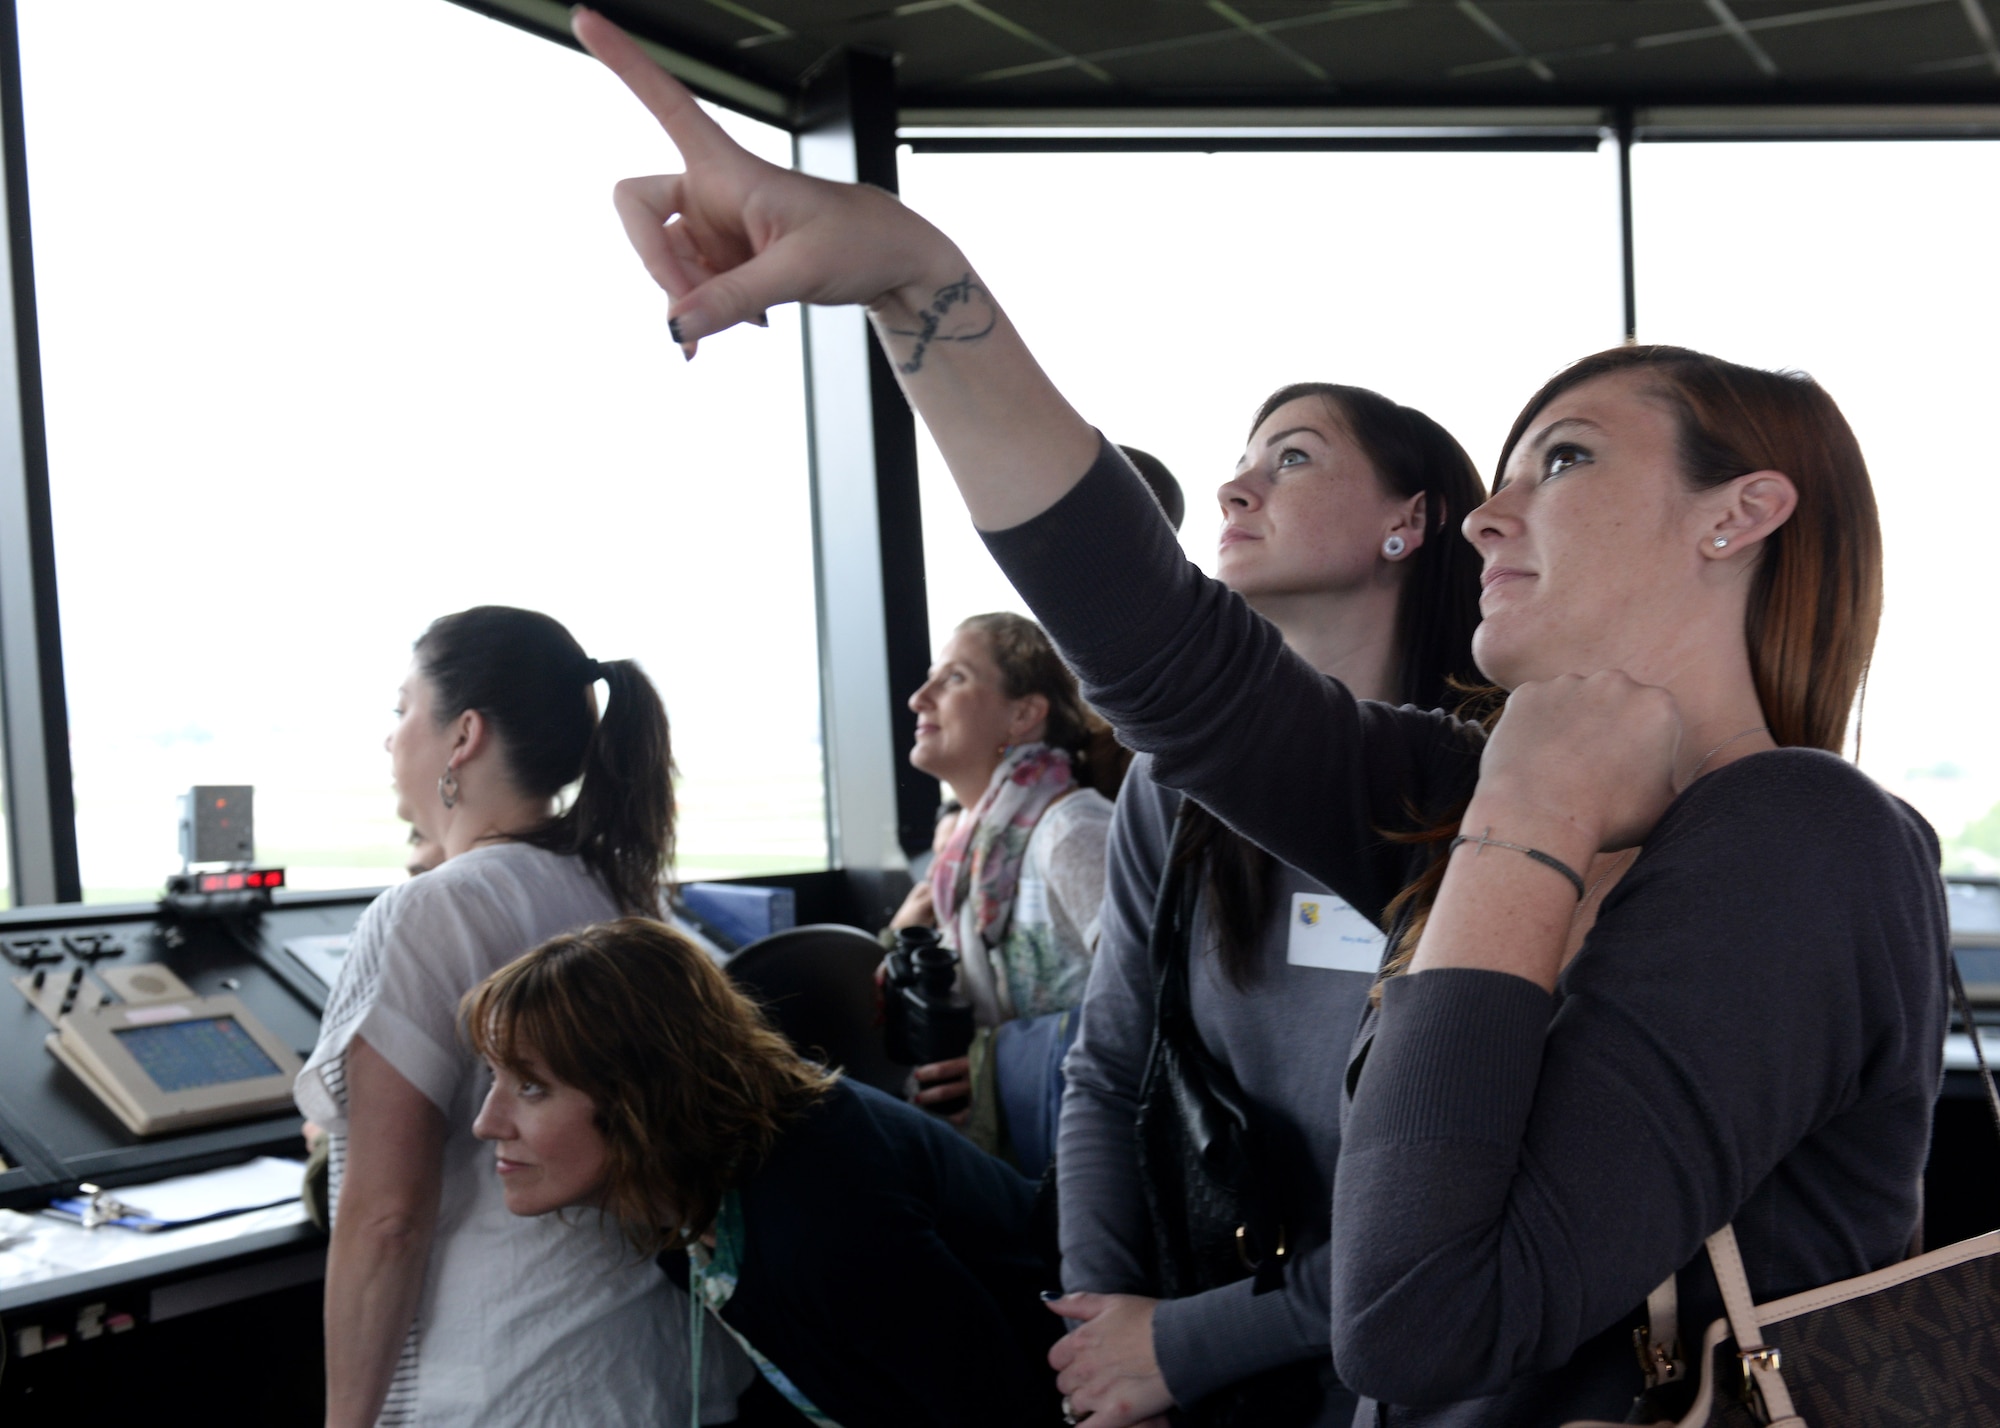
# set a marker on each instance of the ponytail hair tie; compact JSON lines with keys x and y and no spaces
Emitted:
{"x":592,"y":671}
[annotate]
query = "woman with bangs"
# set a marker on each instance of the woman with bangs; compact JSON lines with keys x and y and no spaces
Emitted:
{"x":874,"y":1265}
{"x":1340,"y":528}
{"x":1680,"y":966}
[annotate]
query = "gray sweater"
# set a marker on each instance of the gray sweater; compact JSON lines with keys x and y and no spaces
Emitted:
{"x":1283,"y":1035}
{"x":1750,"y":1035}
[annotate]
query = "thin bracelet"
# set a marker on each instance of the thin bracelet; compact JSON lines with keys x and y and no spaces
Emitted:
{"x":1487,"y":840}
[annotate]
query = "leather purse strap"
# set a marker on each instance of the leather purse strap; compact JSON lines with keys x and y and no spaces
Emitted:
{"x":1760,"y":1362}
{"x":1660,"y":1351}
{"x":1978,"y":1050}
{"x":1170,"y":944}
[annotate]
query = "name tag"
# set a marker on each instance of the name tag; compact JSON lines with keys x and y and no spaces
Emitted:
{"x":1326,"y":932}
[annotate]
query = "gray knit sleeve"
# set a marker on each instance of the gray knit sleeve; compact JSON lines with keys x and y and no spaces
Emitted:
{"x":1186,"y":671}
{"x":1106,"y":1238}
{"x":1206,"y":1341}
{"x":1750,"y":1034}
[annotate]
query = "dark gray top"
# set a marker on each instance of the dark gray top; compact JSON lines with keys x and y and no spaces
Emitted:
{"x":1750,"y":1035}
{"x":1283,"y":1035}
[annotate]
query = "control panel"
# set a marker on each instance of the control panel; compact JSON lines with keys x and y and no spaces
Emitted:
{"x":216,"y":1006}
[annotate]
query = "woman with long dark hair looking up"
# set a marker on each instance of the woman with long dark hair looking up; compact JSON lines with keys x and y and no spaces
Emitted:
{"x":441,"y":1308}
{"x":1341,"y":528}
{"x":1683,"y":966}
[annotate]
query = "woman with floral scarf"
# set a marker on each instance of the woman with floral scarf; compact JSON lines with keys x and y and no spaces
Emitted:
{"x":1018,"y":879}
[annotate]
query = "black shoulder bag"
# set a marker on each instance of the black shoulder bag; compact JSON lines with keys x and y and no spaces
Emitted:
{"x":1214,"y":1220}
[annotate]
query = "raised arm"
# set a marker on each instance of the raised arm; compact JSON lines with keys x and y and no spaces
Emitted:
{"x":732,"y":235}
{"x":1182,"y":667}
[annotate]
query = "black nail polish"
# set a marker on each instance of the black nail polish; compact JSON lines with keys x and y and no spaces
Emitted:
{"x":1049,"y":1296}
{"x":762,"y":319}
{"x":674,"y":330}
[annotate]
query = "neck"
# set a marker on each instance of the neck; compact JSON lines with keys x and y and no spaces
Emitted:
{"x":470,"y":824}
{"x":1707,"y":746}
{"x":1722,"y":719}
{"x":969,"y":787}
{"x":1350,"y":635}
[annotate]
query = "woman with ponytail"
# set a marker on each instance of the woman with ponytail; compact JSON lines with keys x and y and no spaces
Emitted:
{"x":1340,"y":527}
{"x":1683,"y":967}
{"x":441,"y":1308}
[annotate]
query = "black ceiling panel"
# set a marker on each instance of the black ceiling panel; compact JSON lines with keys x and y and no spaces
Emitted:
{"x":997,"y":54}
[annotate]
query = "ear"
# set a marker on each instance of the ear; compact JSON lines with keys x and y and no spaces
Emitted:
{"x":1750,"y":508}
{"x":1410,"y":520}
{"x":470,"y":736}
{"x":1031,"y":712}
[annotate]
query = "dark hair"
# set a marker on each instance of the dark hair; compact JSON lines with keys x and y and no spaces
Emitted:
{"x":1816,"y":598}
{"x":1166,"y":490}
{"x":1029,"y":664}
{"x":1436,"y":610}
{"x":531,"y":681}
{"x":691,"y":1084}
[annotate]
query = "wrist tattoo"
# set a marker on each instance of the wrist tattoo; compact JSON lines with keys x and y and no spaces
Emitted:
{"x":964,"y":305}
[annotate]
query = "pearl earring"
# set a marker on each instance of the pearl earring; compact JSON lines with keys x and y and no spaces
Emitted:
{"x":1393,"y":547}
{"x":1721,"y":542}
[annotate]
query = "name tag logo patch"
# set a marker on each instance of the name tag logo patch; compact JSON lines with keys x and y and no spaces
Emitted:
{"x":1326,"y":932}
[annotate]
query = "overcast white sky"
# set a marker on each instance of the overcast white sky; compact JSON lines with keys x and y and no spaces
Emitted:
{"x":340,"y":333}
{"x":1170,"y":293}
{"x":334,"y":347}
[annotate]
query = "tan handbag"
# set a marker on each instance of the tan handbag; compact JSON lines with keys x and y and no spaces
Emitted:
{"x":1917,"y":1343}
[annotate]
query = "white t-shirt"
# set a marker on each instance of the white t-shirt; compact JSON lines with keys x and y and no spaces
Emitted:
{"x":537,"y":1322}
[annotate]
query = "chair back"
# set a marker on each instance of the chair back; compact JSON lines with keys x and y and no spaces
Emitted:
{"x":817,"y":984}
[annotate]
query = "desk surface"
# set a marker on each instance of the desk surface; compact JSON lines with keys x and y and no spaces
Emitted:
{"x":45,"y":1259}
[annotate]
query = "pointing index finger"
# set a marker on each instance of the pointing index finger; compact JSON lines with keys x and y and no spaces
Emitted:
{"x":692,"y":131}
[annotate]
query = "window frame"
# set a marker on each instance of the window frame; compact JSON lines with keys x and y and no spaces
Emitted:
{"x":867,"y":528}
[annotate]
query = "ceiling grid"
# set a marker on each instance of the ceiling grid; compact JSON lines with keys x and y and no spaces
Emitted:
{"x":1932,"y":64}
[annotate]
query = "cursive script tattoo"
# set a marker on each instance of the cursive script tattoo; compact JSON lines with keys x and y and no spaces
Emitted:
{"x":966,"y":303}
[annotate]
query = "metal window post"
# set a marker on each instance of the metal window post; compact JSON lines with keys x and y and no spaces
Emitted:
{"x":1627,"y":245}
{"x":874,"y":635}
{"x":41,"y":807}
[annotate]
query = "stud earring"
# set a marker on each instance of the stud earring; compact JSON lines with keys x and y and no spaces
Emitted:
{"x":1721,"y":542}
{"x":1394,"y":546}
{"x":448,"y":788}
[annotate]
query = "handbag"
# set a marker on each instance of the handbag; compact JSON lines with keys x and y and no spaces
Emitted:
{"x":1916,"y":1343}
{"x":1213,"y":1219}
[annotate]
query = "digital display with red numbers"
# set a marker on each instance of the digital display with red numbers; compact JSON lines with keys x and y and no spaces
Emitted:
{"x":239,"y":879}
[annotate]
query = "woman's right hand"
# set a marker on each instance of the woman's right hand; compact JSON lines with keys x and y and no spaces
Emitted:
{"x":733,"y":235}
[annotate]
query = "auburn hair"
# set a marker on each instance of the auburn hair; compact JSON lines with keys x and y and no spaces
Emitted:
{"x":691,"y":1084}
{"x":1436,"y":610}
{"x":1815,"y":599}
